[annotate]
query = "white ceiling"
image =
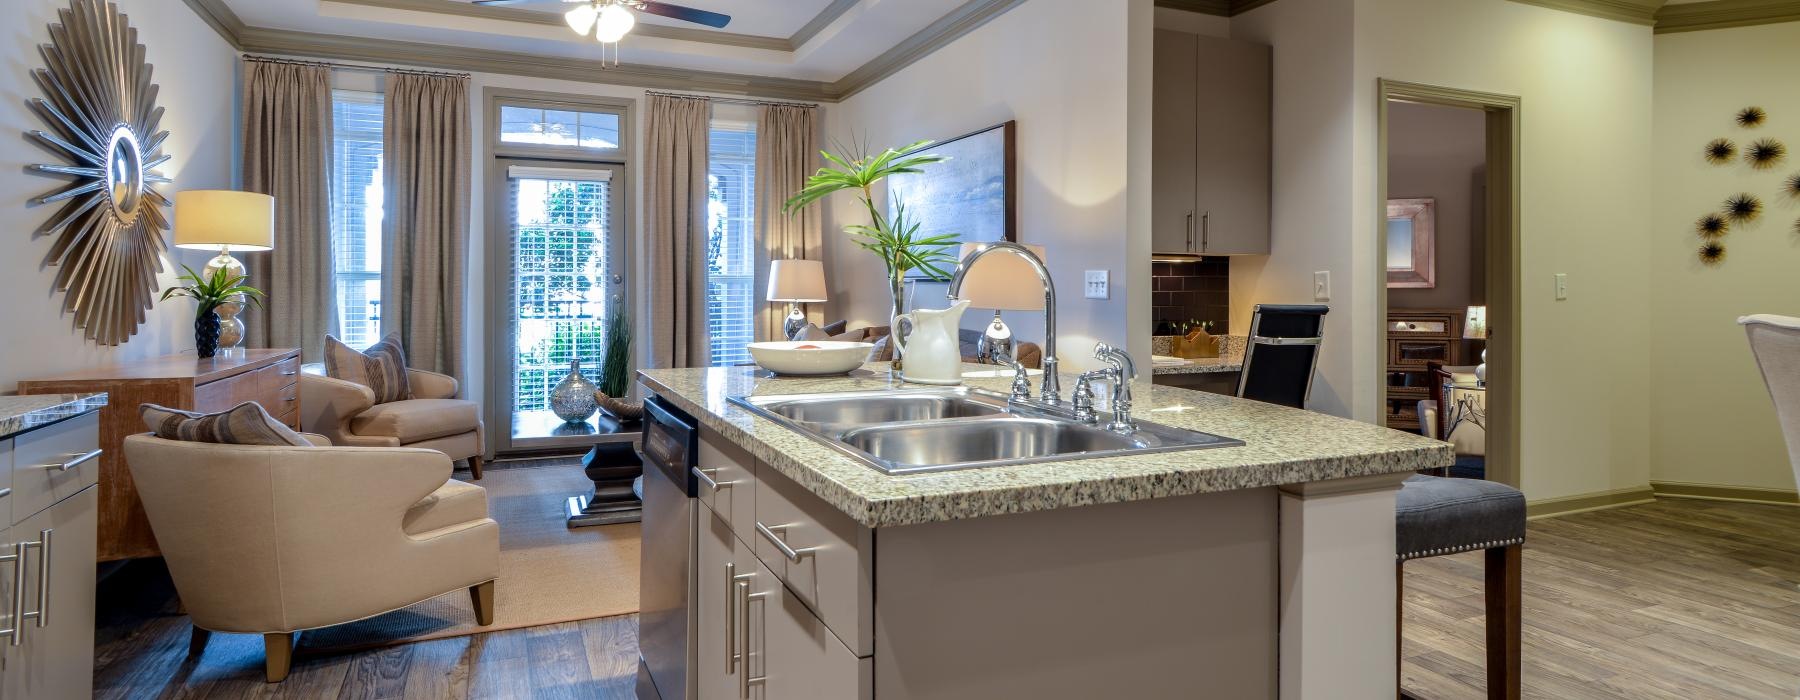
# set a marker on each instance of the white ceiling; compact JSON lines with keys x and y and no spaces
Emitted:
{"x":863,"y":32}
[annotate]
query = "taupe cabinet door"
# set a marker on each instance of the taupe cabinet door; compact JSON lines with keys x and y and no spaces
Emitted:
{"x":1211,"y":128}
{"x":717,"y":638}
{"x":55,"y":661}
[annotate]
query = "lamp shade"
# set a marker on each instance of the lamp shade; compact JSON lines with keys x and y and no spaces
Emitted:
{"x":224,"y":219}
{"x":1475,"y":323}
{"x":796,"y":280}
{"x":1002,"y":281}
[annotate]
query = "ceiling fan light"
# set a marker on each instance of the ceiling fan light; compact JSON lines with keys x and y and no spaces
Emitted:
{"x":613,"y":23}
{"x":581,"y":19}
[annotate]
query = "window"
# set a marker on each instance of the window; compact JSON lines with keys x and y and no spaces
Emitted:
{"x":731,"y":302}
{"x":562,"y":257}
{"x":356,"y":214}
{"x":557,"y":127}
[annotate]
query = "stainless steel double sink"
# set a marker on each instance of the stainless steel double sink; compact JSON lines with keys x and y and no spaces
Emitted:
{"x":908,"y":431}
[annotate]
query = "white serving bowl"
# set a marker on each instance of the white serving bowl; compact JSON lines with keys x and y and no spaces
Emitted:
{"x":810,"y":357}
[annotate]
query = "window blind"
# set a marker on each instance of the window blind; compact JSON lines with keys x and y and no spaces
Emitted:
{"x":561,"y":243}
{"x":731,"y":300}
{"x":356,"y":214}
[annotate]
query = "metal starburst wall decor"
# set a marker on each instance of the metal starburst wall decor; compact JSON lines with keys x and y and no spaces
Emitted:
{"x":99,"y":109}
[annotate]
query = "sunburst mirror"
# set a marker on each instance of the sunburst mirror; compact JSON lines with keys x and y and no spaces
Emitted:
{"x":100,"y":111}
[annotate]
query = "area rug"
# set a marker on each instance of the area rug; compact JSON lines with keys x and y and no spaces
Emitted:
{"x":548,"y":572}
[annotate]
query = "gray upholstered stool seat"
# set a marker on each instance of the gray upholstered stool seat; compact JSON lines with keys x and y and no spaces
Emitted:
{"x":1434,"y":516}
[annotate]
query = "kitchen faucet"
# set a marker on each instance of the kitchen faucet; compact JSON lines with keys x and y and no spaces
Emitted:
{"x":1052,"y":390}
{"x":1123,"y":372}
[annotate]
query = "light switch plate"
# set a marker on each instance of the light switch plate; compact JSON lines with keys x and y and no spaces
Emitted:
{"x":1096,"y":287}
{"x":1562,"y":286}
{"x":1322,"y":285}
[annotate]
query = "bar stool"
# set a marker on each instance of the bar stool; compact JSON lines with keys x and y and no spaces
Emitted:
{"x":1434,"y":516}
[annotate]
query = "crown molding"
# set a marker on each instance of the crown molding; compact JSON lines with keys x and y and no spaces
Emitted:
{"x":819,"y":22}
{"x":1643,"y":12}
{"x":216,"y":14}
{"x":1724,"y":14}
{"x":948,"y":28}
{"x":509,"y":14}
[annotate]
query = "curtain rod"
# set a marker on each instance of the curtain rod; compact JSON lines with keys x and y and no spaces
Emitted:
{"x":346,"y":66}
{"x":734,"y":100}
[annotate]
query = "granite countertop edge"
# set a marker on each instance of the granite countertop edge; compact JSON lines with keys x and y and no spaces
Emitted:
{"x":1205,"y":365}
{"x":987,"y":491}
{"x":25,"y":413}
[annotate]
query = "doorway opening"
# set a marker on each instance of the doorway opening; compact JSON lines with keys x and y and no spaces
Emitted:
{"x":1449,"y":254}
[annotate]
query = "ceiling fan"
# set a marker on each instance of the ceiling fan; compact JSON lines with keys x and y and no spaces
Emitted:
{"x":611,"y":20}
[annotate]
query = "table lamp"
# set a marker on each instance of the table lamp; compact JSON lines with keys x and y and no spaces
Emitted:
{"x":796,"y":282}
{"x":1475,"y":328}
{"x":226,"y":221}
{"x":1001,"y":283}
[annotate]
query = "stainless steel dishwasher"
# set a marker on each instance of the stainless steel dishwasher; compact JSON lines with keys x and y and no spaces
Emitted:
{"x":666,"y":583}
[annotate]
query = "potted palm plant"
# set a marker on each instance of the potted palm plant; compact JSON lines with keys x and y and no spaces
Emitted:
{"x":893,"y":238}
{"x":209,"y":292}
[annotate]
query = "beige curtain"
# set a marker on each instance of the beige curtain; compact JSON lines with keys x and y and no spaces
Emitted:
{"x":675,"y":220}
{"x":425,"y":223}
{"x":287,"y":155}
{"x":786,"y":154}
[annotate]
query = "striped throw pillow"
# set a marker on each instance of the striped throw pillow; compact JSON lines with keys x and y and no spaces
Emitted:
{"x":244,"y":424}
{"x":382,"y":367}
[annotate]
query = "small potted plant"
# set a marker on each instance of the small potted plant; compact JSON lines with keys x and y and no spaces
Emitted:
{"x":615,"y":368}
{"x":209,"y":292}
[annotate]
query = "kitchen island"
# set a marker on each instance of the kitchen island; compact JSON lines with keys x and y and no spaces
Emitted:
{"x":1258,"y":571}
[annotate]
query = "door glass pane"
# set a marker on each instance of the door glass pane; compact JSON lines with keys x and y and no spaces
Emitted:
{"x":562,"y":242}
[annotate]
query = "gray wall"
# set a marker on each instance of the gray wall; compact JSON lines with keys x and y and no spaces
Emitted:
{"x":1439,"y":152}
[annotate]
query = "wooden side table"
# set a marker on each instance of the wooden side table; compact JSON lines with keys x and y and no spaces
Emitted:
{"x":186,"y":382}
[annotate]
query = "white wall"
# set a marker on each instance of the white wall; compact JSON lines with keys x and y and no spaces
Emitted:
{"x":1711,"y":419}
{"x":196,"y":70}
{"x":1585,"y":211}
{"x":1061,"y":68}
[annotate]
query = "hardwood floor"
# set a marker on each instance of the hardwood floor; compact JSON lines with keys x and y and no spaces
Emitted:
{"x":1678,"y":599}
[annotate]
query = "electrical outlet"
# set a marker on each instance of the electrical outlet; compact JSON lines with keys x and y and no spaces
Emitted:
{"x":1096,"y":287}
{"x":1322,"y":285}
{"x":1562,"y":286}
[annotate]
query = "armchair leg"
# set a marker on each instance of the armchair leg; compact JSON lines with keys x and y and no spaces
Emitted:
{"x":278,"y":654}
{"x":475,"y":467}
{"x":481,"y":595}
{"x":1503,"y":622}
{"x":197,"y":641}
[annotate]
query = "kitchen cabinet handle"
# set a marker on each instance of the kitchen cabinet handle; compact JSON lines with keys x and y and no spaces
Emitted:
{"x":706,"y":477}
{"x":73,"y":463}
{"x":731,"y":648}
{"x":3,"y":494}
{"x":1205,"y":231}
{"x":744,"y":598}
{"x":792,"y":554}
{"x":15,"y":606}
{"x":1189,"y":226}
{"x":43,"y":606}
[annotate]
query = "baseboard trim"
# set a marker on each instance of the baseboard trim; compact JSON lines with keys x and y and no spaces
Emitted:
{"x":1585,"y":502}
{"x":1721,"y":492}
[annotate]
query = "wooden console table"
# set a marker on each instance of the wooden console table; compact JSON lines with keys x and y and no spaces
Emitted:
{"x":178,"y":381}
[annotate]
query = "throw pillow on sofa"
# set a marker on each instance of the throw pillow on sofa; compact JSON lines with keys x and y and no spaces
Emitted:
{"x":244,"y":424}
{"x":382,"y":367}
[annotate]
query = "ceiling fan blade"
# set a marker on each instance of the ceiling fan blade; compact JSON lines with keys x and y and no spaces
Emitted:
{"x":687,"y":14}
{"x":498,"y":3}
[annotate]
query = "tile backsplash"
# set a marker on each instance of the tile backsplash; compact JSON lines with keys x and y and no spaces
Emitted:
{"x":1191,"y":290}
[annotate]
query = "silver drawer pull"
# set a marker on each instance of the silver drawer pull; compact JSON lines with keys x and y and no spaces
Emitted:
{"x":745,"y":680}
{"x":3,"y":494}
{"x":706,"y":477}
{"x":792,"y":554}
{"x":21,"y":554}
{"x":290,"y":374}
{"x":16,"y":606}
{"x":73,"y":463}
{"x":43,"y":606}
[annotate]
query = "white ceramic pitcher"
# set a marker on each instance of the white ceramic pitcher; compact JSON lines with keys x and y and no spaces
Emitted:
{"x":930,"y":351}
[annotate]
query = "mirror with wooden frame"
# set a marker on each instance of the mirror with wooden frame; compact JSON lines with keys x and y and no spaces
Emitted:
{"x":1412,"y":243}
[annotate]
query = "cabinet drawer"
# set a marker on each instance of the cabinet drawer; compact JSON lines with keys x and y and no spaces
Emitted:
{"x":825,"y":558}
{"x":733,"y":470}
{"x":53,"y":463}
{"x":794,"y":654}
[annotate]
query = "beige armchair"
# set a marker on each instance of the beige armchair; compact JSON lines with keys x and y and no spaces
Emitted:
{"x":434,"y":419}
{"x":273,"y":540}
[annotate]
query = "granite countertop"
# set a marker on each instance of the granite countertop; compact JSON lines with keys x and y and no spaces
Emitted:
{"x":1283,"y":446}
{"x":19,"y":414}
{"x":1201,"y":365}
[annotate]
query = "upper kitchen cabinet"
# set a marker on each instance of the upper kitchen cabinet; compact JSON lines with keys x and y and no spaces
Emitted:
{"x":1211,"y":129}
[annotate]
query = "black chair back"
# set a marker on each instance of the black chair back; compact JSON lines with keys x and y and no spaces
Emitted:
{"x":1282,"y":353}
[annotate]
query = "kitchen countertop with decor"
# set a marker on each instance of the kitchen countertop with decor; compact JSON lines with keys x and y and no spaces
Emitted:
{"x":1283,"y":446}
{"x":1230,"y":359}
{"x":19,"y":414}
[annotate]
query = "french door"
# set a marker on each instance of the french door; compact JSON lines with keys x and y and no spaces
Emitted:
{"x":559,"y":262}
